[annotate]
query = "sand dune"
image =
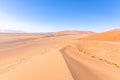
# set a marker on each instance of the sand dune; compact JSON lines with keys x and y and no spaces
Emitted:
{"x":10,"y":31}
{"x":74,"y":32}
{"x":32,"y":59}
{"x":54,"y":57}
{"x":112,"y":35}
{"x":84,"y":67}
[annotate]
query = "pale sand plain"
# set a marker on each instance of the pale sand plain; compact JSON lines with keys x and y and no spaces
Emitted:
{"x":57,"y":57}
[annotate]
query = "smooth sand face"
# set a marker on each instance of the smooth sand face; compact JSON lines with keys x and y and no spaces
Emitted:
{"x":112,"y":35}
{"x":52,"y":57}
{"x":92,"y":65}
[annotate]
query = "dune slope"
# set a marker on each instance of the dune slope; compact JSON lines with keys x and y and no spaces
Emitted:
{"x":68,"y":32}
{"x":84,"y":67}
{"x":32,"y":58}
{"x":112,"y":35}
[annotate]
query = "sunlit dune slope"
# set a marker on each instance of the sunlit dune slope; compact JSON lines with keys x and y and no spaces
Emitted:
{"x":93,"y":61}
{"x":33,"y":57}
{"x":108,"y":52}
{"x":112,"y":35}
{"x":73,"y":32}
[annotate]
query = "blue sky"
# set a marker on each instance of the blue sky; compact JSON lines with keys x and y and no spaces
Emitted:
{"x":56,"y":15}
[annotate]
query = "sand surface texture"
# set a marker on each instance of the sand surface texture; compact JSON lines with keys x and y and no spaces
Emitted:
{"x":58,"y":57}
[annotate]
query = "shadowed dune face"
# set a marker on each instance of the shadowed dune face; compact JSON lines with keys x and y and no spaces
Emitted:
{"x":113,"y":35}
{"x":74,"y":32}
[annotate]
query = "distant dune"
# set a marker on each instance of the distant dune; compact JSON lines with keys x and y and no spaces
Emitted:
{"x":11,"y":31}
{"x":73,"y":32}
{"x":112,"y":35}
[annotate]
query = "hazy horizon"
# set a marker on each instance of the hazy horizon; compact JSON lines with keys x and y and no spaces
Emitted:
{"x":57,"y":15}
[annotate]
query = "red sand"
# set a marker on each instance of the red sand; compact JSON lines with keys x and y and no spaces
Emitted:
{"x":112,"y":35}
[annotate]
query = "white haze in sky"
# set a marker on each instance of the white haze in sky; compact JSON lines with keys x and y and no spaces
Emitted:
{"x":11,"y":23}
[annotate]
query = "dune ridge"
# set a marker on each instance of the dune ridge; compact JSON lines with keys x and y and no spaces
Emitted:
{"x":112,"y":35}
{"x":82,"y":65}
{"x":74,"y":32}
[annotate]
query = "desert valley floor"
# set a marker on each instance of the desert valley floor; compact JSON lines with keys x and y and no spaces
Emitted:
{"x":58,"y":57}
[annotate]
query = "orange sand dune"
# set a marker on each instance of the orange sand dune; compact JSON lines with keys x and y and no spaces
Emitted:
{"x":54,"y":57}
{"x":112,"y":35}
{"x":74,"y":32}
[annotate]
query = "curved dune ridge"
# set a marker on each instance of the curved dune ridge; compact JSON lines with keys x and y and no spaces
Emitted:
{"x":89,"y":65}
{"x":74,"y":32}
{"x":112,"y":35}
{"x":49,"y":57}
